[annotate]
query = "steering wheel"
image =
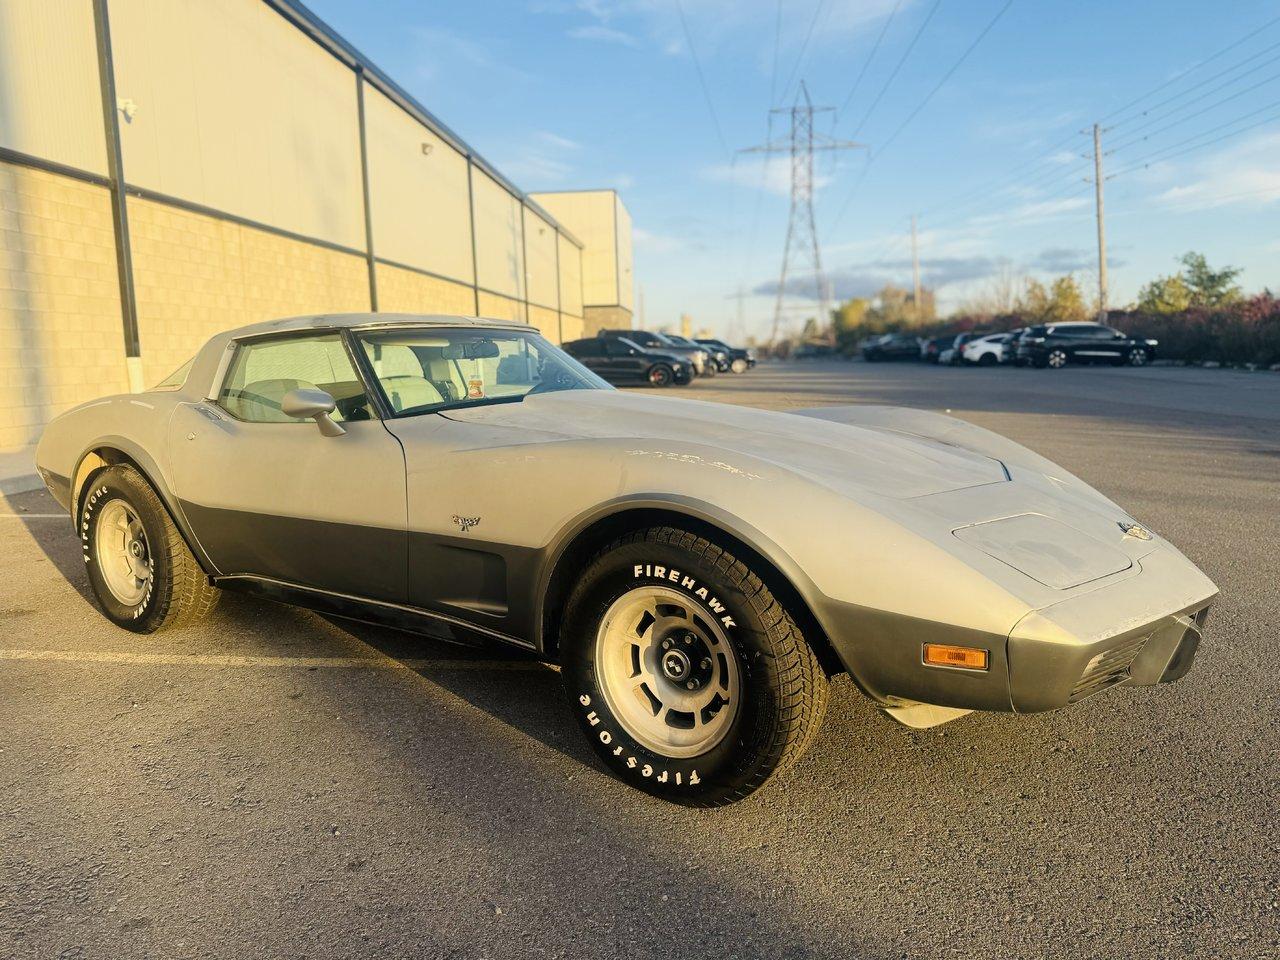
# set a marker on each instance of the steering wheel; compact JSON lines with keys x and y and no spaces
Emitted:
{"x":559,"y":379}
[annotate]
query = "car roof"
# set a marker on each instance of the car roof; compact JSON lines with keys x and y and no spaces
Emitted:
{"x":328,"y":321}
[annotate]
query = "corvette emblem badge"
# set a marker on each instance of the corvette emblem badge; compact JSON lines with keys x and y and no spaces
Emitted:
{"x":1134,"y":530}
{"x":465,"y":523}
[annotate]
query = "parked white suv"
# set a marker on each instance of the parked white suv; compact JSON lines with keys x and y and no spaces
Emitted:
{"x":986,"y":351}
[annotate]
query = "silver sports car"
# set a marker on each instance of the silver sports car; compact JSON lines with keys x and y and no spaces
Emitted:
{"x":698,"y":571}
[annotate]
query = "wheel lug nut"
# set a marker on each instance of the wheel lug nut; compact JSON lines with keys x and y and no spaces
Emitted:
{"x":691,"y":685}
{"x":706,"y":663}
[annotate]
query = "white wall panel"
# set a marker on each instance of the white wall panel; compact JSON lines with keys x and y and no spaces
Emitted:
{"x":590,"y":216}
{"x":417,"y":192}
{"x":626,"y":281}
{"x":499,"y":244}
{"x":540,"y":260}
{"x":50,"y":100}
{"x":570,"y":277}
{"x":239,"y":111}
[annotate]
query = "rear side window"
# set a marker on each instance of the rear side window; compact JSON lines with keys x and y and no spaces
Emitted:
{"x":263,"y":372}
{"x":175,"y":380}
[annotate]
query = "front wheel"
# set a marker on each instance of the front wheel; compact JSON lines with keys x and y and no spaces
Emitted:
{"x":688,"y":677}
{"x":140,"y":568}
{"x":661,"y":376}
{"x":738,"y":366}
{"x":1137,"y":357}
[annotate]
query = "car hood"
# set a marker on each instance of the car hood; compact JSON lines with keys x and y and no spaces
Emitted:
{"x":840,"y":456}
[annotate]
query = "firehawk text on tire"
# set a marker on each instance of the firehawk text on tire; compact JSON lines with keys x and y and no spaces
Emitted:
{"x":688,"y":677}
{"x":141,"y":570}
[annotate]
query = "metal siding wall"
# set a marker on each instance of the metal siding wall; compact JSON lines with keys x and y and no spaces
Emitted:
{"x":50,"y":103}
{"x":540,"y":260}
{"x":570,"y":277}
{"x":499,"y":244}
{"x":239,"y":111}
{"x":626,"y":282}
{"x":589,"y":215}
{"x":419,"y":201}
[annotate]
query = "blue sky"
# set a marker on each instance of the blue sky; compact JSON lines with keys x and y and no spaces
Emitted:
{"x":562,"y":94}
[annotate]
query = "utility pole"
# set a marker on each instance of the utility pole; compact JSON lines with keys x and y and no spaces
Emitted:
{"x":1102,"y":224}
{"x":802,"y":230}
{"x":915,"y":269}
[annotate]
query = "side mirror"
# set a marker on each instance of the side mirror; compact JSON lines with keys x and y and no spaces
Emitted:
{"x":313,"y":404}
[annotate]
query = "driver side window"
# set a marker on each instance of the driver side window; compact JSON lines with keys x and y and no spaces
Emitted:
{"x":262,"y":372}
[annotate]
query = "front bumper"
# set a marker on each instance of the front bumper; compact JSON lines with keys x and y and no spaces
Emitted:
{"x":1140,"y":629}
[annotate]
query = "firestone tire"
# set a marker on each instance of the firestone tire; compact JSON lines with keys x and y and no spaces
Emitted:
{"x":661,"y":595}
{"x":141,"y":570}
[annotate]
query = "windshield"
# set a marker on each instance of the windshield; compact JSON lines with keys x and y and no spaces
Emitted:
{"x":421,"y":370}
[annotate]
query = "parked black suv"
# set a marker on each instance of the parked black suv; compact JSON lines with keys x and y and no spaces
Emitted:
{"x":620,"y":361}
{"x":1057,"y":344}
{"x":697,"y":356}
{"x":892,"y":346}
{"x":729,"y":358}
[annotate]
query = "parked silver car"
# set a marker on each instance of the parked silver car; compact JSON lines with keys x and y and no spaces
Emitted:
{"x":697,"y":570}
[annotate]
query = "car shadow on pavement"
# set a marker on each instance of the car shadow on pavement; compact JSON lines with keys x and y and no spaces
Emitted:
{"x":54,"y":535}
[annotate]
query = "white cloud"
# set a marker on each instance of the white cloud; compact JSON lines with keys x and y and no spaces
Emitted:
{"x":543,"y":160}
{"x":1033,"y":212}
{"x":770,"y":173}
{"x":446,"y":52}
{"x":1244,"y":174}
{"x":656,"y":242}
{"x":603,"y":34}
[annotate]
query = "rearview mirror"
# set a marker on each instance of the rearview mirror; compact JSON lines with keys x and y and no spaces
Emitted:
{"x":470,"y":350}
{"x":313,"y":404}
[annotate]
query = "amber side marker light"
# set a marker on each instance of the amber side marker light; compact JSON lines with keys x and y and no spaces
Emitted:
{"x":946,"y":655}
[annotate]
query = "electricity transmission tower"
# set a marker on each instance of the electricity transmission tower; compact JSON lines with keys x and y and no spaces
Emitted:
{"x":802,"y":230}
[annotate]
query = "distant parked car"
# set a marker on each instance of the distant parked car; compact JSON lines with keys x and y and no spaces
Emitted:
{"x":697,"y":356}
{"x":986,"y":351}
{"x":954,"y":353}
{"x":1058,"y":344}
{"x":892,"y":346}
{"x":932,"y":347}
{"x":727,"y":358}
{"x":812,"y":351}
{"x":621,"y":362}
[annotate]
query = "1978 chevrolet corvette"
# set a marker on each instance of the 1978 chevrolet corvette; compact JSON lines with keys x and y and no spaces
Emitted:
{"x":697,"y":570}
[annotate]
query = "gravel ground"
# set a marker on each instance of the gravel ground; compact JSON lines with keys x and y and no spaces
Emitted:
{"x":276,"y":784}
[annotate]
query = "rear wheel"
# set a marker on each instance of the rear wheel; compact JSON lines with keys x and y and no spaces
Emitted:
{"x":142,"y":573}
{"x":987,"y":360}
{"x":738,"y":366}
{"x":689,"y":679}
{"x":661,"y":375}
{"x":1057,"y":358}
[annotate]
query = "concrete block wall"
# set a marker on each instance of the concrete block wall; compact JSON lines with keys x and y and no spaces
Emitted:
{"x":407,"y":291}
{"x":196,"y":275}
{"x":596,"y":319}
{"x":61,"y":337}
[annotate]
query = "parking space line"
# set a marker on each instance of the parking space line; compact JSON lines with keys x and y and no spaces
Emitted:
{"x":34,"y":516}
{"x":225,"y":660}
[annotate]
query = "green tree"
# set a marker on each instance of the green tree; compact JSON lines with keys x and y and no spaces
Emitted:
{"x":1060,"y":302}
{"x":1165,"y":295}
{"x":849,"y":323}
{"x":1209,"y":287}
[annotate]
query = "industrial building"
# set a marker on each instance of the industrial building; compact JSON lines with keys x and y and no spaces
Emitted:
{"x":601,"y":221}
{"x":172,"y":168}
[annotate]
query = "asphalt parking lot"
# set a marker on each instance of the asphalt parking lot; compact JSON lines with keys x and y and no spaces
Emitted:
{"x":272,"y":783}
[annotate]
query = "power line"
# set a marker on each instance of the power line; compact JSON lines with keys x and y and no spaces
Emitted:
{"x":702,"y":80}
{"x":946,"y":76}
{"x":817,"y":12}
{"x":1172,"y":80}
{"x":1196,"y":86}
{"x":924,"y":102}
{"x":1213,"y":106}
{"x":871,"y":56}
{"x":901,"y":60}
{"x":1146,"y":161}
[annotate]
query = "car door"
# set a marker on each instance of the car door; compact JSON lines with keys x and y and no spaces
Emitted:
{"x":1092,"y":341}
{"x":592,"y":355}
{"x":271,"y":497}
{"x":626,"y":362}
